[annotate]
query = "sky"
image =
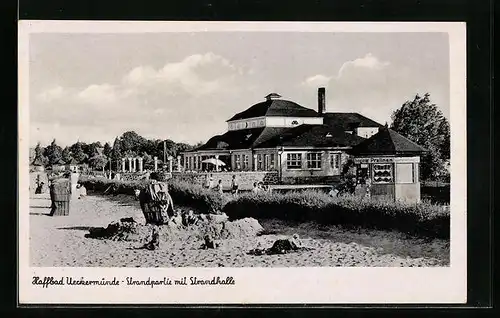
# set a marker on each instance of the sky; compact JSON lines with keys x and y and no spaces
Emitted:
{"x":184,"y":86}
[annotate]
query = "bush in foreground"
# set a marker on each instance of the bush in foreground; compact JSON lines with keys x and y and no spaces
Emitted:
{"x":421,"y":219}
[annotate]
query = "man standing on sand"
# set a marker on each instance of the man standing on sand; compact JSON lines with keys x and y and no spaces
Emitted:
{"x":234,"y":186}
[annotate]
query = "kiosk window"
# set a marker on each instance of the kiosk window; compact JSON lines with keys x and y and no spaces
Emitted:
{"x":382,"y":173}
{"x":404,"y":173}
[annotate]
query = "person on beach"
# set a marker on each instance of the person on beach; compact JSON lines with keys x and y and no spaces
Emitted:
{"x":82,"y":190}
{"x":218,"y":187}
{"x":255,"y":188}
{"x":208,"y":181}
{"x":234,"y":186}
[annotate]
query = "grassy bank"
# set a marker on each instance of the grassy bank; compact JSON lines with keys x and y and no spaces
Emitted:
{"x":423,"y":219}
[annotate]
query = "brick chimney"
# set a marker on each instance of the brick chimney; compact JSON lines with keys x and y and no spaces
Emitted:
{"x":321,"y":101}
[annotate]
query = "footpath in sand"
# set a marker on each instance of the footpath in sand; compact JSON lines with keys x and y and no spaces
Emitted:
{"x":61,"y":241}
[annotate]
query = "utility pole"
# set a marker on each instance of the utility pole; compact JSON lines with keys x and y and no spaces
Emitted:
{"x":164,"y":152}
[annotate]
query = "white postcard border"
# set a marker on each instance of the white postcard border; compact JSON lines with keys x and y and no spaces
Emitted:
{"x":258,"y":285}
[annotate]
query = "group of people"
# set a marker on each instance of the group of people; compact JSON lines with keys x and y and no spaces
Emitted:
{"x":260,"y":187}
{"x":210,"y":184}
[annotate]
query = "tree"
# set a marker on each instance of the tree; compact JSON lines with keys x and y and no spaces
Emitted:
{"x":422,"y":122}
{"x":116,"y":153}
{"x":91,"y":150}
{"x":107,"y":150}
{"x":130,"y":140}
{"x":40,"y":158}
{"x":78,"y":154}
{"x":98,"y":162}
{"x":66,"y":155}
{"x":53,"y":152}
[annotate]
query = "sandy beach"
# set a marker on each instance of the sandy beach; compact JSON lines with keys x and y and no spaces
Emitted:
{"x":60,"y":241}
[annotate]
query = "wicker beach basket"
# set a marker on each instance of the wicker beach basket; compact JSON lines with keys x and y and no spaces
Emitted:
{"x":60,"y":195}
{"x":156,"y":203}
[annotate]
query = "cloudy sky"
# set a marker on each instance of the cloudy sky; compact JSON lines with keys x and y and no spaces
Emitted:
{"x":184,"y":86}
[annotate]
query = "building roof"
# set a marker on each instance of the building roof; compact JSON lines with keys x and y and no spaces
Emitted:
{"x":387,"y":142}
{"x":312,"y":136}
{"x":241,"y":139}
{"x":275,"y":107}
{"x":348,"y":121}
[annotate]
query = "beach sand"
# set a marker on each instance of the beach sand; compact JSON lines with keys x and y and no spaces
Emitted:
{"x":59,"y":241}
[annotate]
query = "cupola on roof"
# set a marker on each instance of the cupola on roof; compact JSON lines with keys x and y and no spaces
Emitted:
{"x":273,"y":106}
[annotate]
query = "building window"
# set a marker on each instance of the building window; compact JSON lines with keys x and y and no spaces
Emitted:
{"x":404,"y":173}
{"x":260,"y":165}
{"x":314,"y":160}
{"x":335,"y":161}
{"x":293,"y":161}
{"x":382,"y":173}
{"x":245,"y":161}
{"x":271,"y":162}
{"x":238,"y":161}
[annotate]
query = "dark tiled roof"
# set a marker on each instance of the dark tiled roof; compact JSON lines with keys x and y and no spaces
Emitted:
{"x":387,"y":142}
{"x":312,"y":136}
{"x":239,"y":139}
{"x":348,"y":121}
{"x":275,"y":107}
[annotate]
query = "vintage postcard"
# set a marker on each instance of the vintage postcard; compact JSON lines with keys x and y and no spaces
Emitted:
{"x":242,"y":163}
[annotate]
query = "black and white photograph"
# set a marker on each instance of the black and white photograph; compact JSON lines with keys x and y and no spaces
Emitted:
{"x":233,"y":147}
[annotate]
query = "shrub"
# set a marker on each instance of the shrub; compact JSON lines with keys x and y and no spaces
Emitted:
{"x":182,"y":192}
{"x":423,"y":219}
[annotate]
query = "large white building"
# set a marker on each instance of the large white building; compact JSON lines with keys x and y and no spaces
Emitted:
{"x":298,"y":142}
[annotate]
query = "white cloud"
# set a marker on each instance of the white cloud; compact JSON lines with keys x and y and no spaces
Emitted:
{"x":51,"y":94}
{"x":369,"y":61}
{"x":98,"y":94}
{"x":317,"y":80}
{"x":146,"y":99}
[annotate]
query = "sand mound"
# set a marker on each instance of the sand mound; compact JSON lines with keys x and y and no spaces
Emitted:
{"x":216,"y":227}
{"x":280,"y":246}
{"x":126,"y":229}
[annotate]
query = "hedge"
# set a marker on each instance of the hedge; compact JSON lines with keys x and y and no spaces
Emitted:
{"x":183,"y":193}
{"x":422,"y":219}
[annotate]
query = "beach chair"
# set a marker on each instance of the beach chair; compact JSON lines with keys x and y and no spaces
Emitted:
{"x":156,"y":203}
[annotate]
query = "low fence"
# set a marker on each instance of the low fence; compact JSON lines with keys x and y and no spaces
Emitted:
{"x":245,"y":179}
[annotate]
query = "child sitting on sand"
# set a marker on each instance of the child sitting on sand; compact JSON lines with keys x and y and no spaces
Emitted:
{"x":82,"y":191}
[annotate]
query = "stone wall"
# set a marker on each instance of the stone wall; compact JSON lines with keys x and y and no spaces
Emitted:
{"x":245,"y":179}
{"x":327,"y":180}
